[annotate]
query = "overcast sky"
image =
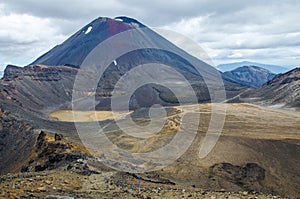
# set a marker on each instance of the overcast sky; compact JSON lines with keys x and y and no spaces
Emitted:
{"x":229,"y":31}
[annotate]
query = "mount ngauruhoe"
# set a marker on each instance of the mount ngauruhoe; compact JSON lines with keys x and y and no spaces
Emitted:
{"x":54,"y":72}
{"x":257,"y":152}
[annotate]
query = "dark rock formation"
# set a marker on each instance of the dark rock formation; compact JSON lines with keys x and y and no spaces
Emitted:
{"x":249,"y":176}
{"x":52,"y":153}
{"x":17,"y":139}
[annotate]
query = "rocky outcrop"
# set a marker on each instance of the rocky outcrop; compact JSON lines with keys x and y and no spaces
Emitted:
{"x":22,"y":149}
{"x":248,"y":177}
{"x":54,"y":151}
{"x":17,"y":139}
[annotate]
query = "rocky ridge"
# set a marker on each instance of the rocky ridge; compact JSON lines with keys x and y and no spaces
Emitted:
{"x":282,"y":91}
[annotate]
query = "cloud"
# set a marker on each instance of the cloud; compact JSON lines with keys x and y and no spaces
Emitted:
{"x":227,"y":30}
{"x":256,"y":32}
{"x":22,"y":35}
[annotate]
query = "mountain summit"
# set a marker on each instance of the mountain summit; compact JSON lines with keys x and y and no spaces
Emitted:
{"x":73,"y":51}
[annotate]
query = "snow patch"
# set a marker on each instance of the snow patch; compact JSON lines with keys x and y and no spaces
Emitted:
{"x":118,"y":19}
{"x":115,"y":62}
{"x":88,"y":30}
{"x":136,"y":25}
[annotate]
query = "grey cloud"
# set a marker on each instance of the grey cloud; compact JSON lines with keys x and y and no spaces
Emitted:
{"x":257,"y":42}
{"x":63,"y":9}
{"x":261,"y":24}
{"x":154,"y":12}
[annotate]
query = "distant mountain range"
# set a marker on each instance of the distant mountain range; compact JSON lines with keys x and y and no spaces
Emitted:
{"x":272,"y":68}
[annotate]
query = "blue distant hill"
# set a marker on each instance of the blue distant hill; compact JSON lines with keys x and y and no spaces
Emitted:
{"x":272,"y":68}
